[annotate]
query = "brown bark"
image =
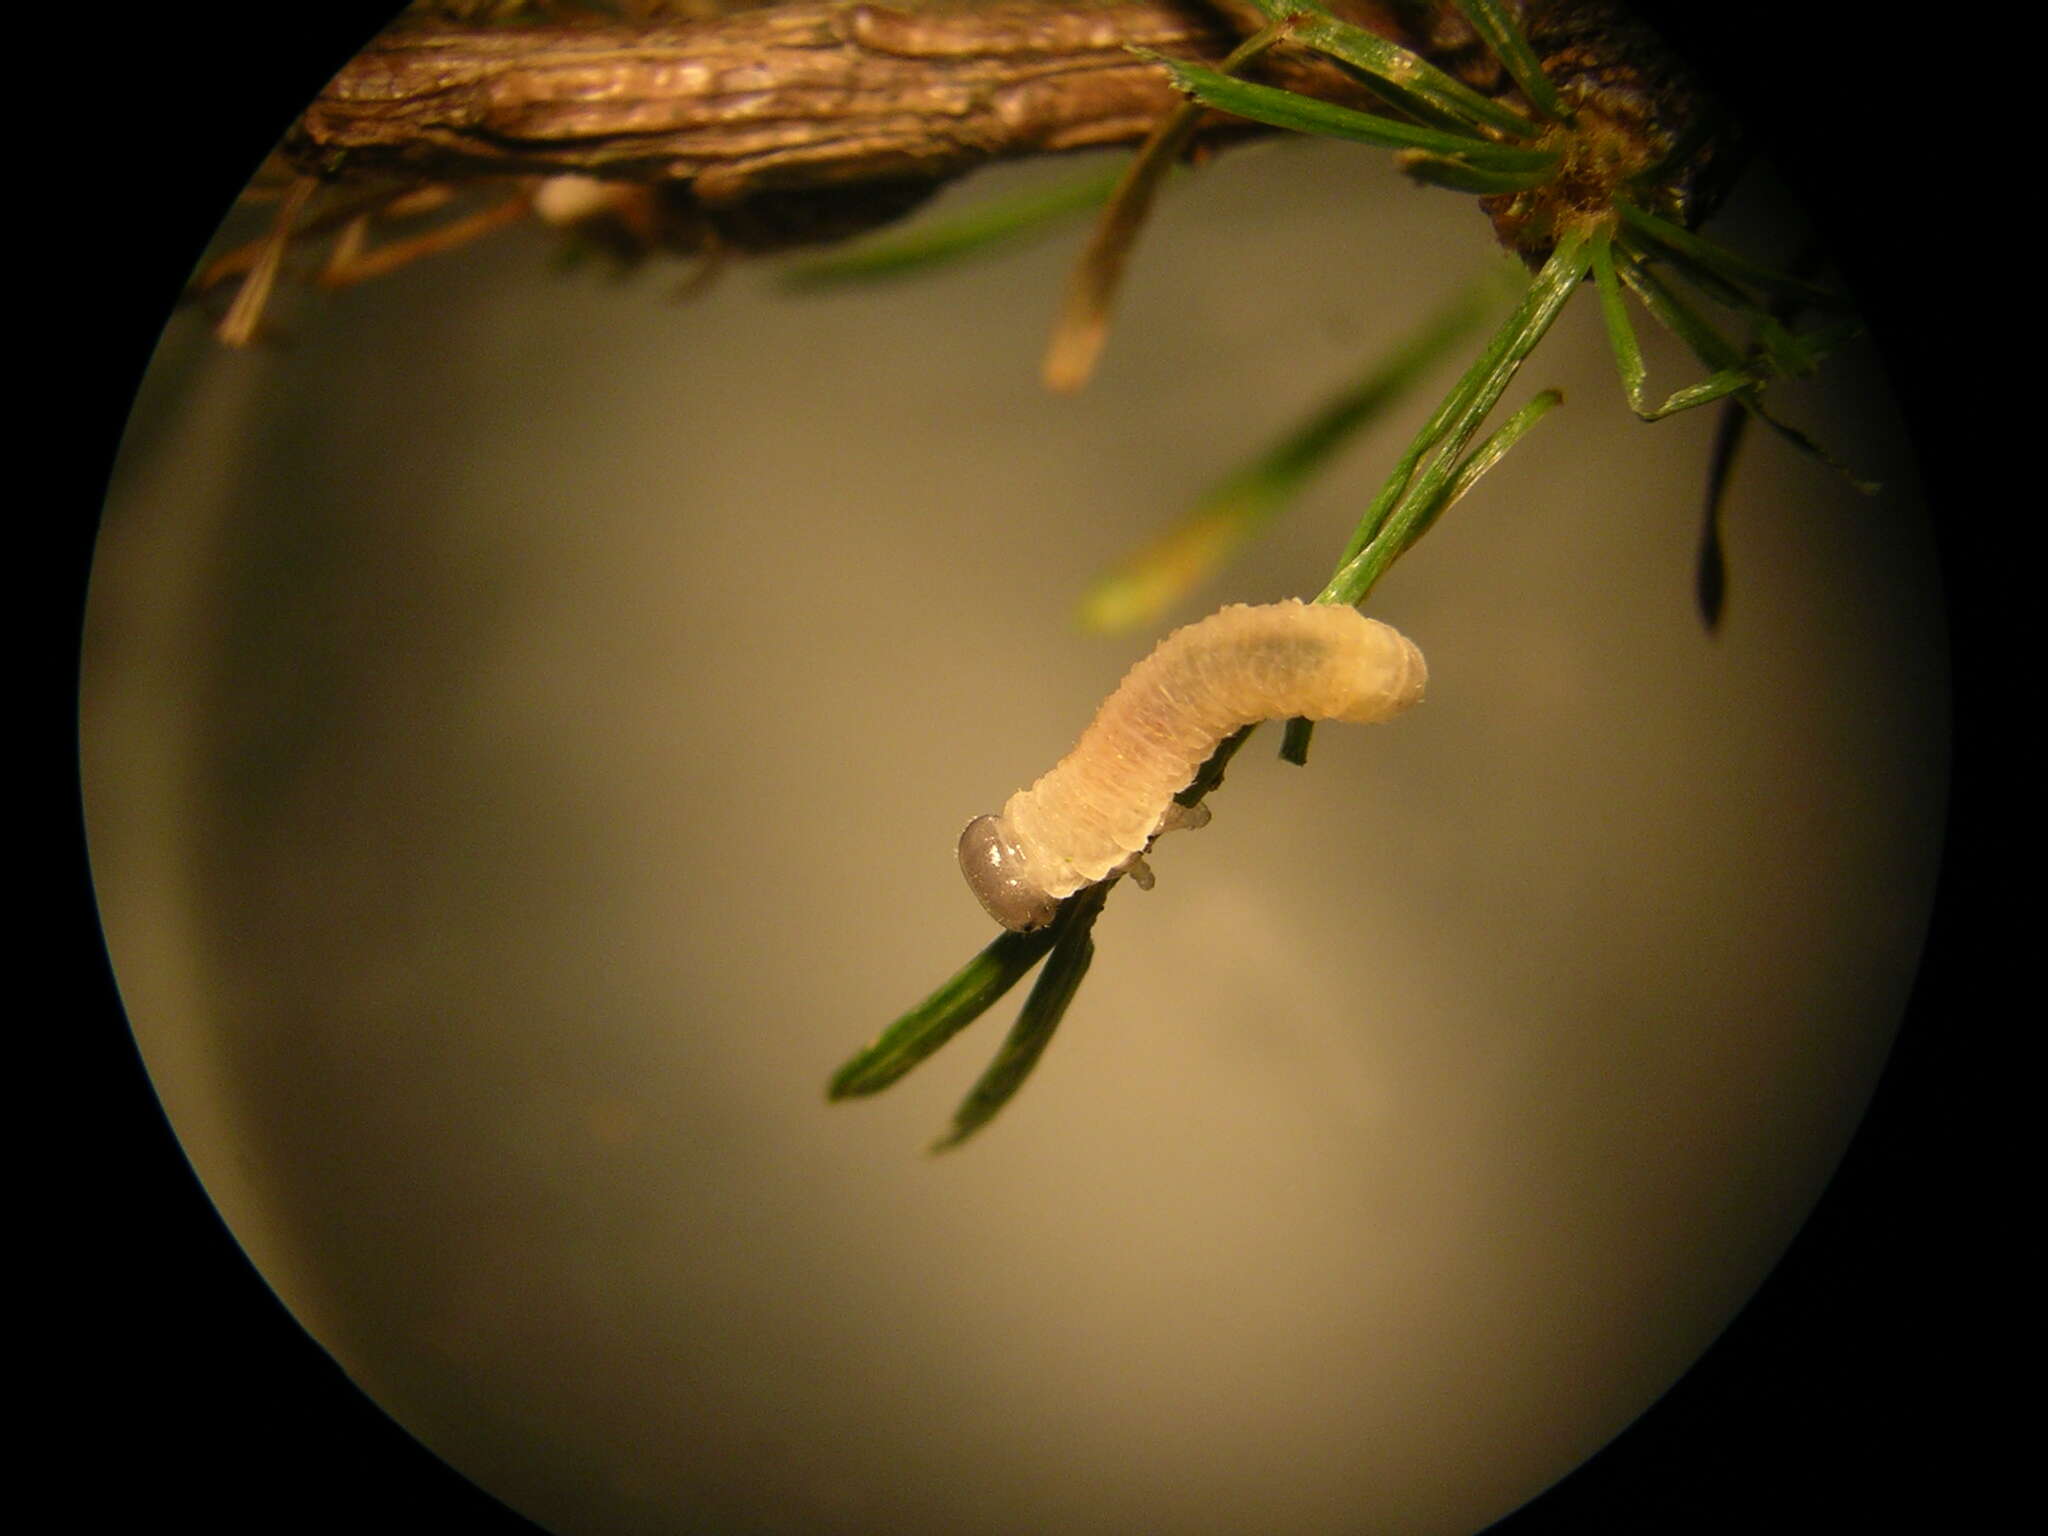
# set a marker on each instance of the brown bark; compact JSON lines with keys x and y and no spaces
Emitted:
{"x":814,"y":94}
{"x":808,"y":120}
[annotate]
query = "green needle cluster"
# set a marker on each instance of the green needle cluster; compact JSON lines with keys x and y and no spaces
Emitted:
{"x":1577,"y":202}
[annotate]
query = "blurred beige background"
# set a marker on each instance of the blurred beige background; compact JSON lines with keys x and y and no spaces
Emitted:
{"x":526,"y":725}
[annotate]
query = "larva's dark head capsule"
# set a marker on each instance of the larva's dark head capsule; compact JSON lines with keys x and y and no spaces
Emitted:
{"x":1000,"y":876}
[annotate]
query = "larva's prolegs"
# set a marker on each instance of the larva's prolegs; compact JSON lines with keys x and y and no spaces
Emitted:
{"x":1113,"y":793}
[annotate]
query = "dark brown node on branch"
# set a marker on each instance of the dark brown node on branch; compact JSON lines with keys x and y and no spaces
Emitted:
{"x":1635,"y":108}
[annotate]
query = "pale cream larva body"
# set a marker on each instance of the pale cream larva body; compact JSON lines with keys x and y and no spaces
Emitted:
{"x":1108,"y":797}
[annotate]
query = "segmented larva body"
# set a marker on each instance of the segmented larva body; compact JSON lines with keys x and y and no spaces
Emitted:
{"x":1096,"y":811}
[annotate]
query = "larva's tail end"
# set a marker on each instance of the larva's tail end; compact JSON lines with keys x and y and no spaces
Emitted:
{"x":1413,"y":684}
{"x":1391,"y":678}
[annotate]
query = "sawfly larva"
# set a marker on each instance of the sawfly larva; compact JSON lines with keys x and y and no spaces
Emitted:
{"x":1095,"y":813}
